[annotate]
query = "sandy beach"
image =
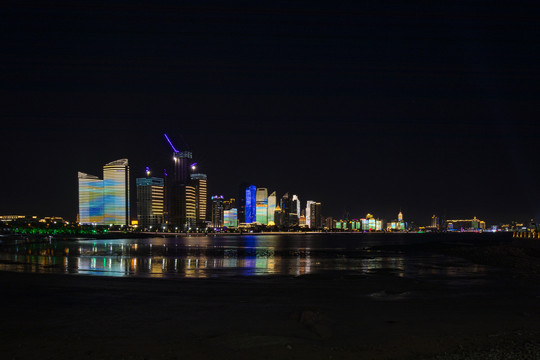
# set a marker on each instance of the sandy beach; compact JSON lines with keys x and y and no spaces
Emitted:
{"x":328,"y":316}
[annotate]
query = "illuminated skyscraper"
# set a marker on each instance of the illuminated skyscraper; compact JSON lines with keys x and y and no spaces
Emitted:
{"x":262,"y":206}
{"x":90,"y":199}
{"x":177,"y":190}
{"x":230,"y":218}
{"x":217,"y":211}
{"x":435,"y":222}
{"x":251,"y":204}
{"x":116,"y":192}
{"x":296,"y":206}
{"x":315,"y":215}
{"x":272,"y":202}
{"x":400,"y":216}
{"x":308,"y":213}
{"x":191,"y":207}
{"x":150,"y":201}
{"x":199,"y":182}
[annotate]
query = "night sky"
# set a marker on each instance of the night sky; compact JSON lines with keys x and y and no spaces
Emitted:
{"x":431,"y":107}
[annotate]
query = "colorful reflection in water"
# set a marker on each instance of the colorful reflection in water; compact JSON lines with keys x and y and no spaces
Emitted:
{"x":215,"y":256}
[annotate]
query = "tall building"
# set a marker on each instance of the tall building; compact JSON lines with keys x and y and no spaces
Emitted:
{"x":315,"y":215}
{"x":116,"y":192}
{"x":262,"y":206}
{"x":150,"y":201}
{"x":400,"y":216}
{"x":435,"y":222}
{"x":191,"y":208}
{"x":242,"y":202}
{"x":217,"y":211}
{"x":308,"y":213}
{"x":176,"y":189}
{"x":251,"y":204}
{"x":272,"y":202}
{"x":296,"y":206}
{"x":90,"y":199}
{"x":199,"y":181}
{"x":230,"y":217}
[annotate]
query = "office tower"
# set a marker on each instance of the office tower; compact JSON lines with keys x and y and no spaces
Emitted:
{"x":400,"y":216}
{"x":150,"y":201}
{"x":229,"y":204}
{"x":199,"y":181}
{"x":217,"y":211}
{"x":288,"y":209}
{"x":315,"y":215}
{"x":308,"y":213}
{"x":230,"y":217}
{"x":191,"y":207}
{"x":251,"y":204}
{"x":272,"y":199}
{"x":177,"y":190}
{"x":262,"y":206}
{"x":90,"y":199}
{"x":116,"y":192}
{"x":242,"y":202}
{"x":278,"y":216}
{"x":296,"y":205}
{"x":302,"y":220}
{"x":435,"y":222}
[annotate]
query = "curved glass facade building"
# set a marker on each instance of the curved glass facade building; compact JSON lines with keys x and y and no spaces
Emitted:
{"x":90,"y":199}
{"x":116,"y":192}
{"x":272,"y":201}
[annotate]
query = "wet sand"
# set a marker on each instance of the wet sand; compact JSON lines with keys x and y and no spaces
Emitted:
{"x":330,"y":316}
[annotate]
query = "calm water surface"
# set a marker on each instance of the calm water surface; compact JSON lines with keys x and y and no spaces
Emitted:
{"x":242,"y":255}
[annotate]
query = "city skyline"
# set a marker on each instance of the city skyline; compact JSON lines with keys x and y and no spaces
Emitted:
{"x":359,"y":107}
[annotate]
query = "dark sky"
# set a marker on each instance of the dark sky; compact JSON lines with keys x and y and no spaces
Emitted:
{"x":431,"y":107}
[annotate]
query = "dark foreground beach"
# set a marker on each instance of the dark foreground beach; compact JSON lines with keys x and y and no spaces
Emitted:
{"x":326,"y":316}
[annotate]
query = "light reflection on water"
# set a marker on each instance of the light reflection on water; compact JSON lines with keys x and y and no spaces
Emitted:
{"x":215,"y":256}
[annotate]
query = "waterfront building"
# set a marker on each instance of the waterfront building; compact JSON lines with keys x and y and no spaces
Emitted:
{"x":296,"y":206}
{"x":308,"y":213}
{"x":302,"y":221}
{"x":91,"y":208}
{"x":229,"y":204}
{"x":328,"y":223}
{"x":150,"y":204}
{"x":315,"y":215}
{"x":288,"y":216}
{"x":473,"y":224}
{"x":278,"y":216}
{"x":217,"y":211}
{"x":176,"y":189}
{"x":241,"y":205}
{"x":116,"y":193}
{"x":191,"y":207}
{"x":199,"y":181}
{"x":272,"y":202}
{"x":251,"y":204}
{"x":262,"y":206}
{"x":230,"y":218}
{"x":435,"y":222}
{"x":371,"y":224}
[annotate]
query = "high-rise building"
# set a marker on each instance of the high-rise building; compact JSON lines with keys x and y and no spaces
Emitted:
{"x":191,"y":208}
{"x":230,"y":218}
{"x":400,"y":216}
{"x":90,"y":199}
{"x":296,"y":205}
{"x":217,"y":211}
{"x":242,"y":202}
{"x":176,"y":189}
{"x":199,"y":182}
{"x":262,"y":206}
{"x":315,"y":215}
{"x":116,"y":192}
{"x":150,"y":199}
{"x":251,"y":204}
{"x":229,"y":204}
{"x":308,"y":213}
{"x":272,"y":202}
{"x":435,"y":222}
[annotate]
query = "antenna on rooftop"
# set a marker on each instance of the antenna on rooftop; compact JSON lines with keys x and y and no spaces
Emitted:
{"x":170,"y":143}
